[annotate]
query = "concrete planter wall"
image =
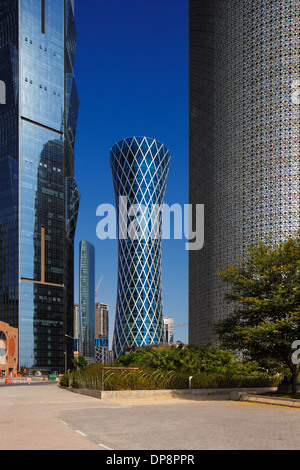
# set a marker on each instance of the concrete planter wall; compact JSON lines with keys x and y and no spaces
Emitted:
{"x":222,"y":393}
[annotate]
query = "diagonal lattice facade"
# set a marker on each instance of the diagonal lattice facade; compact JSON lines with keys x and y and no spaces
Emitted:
{"x":139,"y":169}
{"x":244,"y":138}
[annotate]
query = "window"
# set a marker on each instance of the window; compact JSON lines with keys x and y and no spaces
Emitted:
{"x":43,"y":16}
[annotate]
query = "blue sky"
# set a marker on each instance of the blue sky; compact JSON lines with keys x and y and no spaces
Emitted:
{"x":132,"y":79}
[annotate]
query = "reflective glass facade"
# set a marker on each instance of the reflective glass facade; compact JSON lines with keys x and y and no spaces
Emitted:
{"x":244,"y":139}
{"x":38,"y":219}
{"x":139,"y":168}
{"x":87,"y":301}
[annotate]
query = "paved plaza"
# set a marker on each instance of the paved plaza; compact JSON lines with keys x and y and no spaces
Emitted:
{"x":46,"y":417}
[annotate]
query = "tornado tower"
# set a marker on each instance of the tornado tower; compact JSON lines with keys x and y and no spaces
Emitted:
{"x":139,"y":167}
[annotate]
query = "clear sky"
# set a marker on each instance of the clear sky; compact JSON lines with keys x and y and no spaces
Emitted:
{"x":132,"y":80}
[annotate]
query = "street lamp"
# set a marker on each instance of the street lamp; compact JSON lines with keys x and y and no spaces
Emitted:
{"x":71,"y":337}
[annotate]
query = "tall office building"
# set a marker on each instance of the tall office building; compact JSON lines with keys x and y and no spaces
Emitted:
{"x":76,"y":321}
{"x":139,"y":168}
{"x":101,"y":333}
{"x":76,"y":330}
{"x":87,"y":301}
{"x":168,"y":330}
{"x":39,"y":198}
{"x":244,"y":138}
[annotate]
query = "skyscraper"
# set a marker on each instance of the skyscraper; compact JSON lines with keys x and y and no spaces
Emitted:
{"x":139,"y":169}
{"x":244,"y":138}
{"x":168,"y":330}
{"x":39,"y":198}
{"x":87,"y":301}
{"x":76,"y":330}
{"x":101,"y":332}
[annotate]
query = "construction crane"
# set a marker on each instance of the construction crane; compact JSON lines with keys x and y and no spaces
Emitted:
{"x":169,"y":332}
{"x":96,"y":291}
{"x":182,"y":324}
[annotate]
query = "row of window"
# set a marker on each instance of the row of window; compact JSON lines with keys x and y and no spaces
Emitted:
{"x":41,"y":47}
{"x":41,"y":87}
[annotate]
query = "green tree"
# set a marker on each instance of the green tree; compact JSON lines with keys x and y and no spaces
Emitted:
{"x":264,"y":291}
{"x":189,"y":359}
{"x":80,"y":362}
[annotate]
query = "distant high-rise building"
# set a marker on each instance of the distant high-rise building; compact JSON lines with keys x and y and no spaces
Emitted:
{"x":101,"y":332}
{"x":139,"y":168}
{"x":87,"y":301}
{"x":39,"y":198}
{"x":244,"y":139}
{"x":168,"y":330}
{"x":76,"y":329}
{"x":76,"y":321}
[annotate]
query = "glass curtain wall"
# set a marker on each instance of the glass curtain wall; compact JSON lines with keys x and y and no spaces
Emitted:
{"x":39,"y":198}
{"x":87,"y":301}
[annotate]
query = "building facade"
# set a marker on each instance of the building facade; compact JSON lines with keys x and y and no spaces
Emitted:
{"x":39,"y":198}
{"x":101,"y":333}
{"x":139,"y":169}
{"x":168,"y":330}
{"x":244,"y":139}
{"x":87,"y":301}
{"x":8,"y":351}
{"x":76,"y":321}
{"x":76,"y":330}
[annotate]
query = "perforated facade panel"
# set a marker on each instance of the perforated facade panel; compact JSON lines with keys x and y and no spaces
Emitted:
{"x":244,"y":138}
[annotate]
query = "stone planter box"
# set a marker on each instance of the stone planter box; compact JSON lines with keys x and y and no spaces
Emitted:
{"x":194,"y":394}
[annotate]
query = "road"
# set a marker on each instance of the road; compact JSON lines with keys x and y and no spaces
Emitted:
{"x":45,"y":417}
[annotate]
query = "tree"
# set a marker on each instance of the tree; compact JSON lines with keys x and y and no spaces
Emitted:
{"x":264,"y":291}
{"x":80,"y":362}
{"x":189,"y":359}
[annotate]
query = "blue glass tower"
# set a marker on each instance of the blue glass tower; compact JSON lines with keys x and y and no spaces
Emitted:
{"x":39,"y":198}
{"x":87,"y":300}
{"x":139,"y":169}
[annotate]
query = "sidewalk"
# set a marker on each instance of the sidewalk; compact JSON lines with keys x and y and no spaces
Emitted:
{"x":28,"y":418}
{"x":47,"y":417}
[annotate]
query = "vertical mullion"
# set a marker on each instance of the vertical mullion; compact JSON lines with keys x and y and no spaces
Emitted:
{"x":43,"y":255}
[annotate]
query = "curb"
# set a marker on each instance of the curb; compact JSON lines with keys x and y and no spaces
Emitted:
{"x":289,"y":402}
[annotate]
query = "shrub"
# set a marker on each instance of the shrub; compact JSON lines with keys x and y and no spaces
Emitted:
{"x":91,"y":379}
{"x":65,"y":380}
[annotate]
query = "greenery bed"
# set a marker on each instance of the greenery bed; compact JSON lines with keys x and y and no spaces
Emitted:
{"x":154,"y":380}
{"x":171,"y":368}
